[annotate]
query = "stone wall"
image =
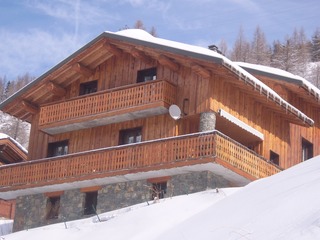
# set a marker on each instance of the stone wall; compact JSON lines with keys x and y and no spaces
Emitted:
{"x":31,"y":210}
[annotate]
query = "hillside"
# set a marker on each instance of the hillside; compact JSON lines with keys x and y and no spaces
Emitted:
{"x":284,"y":206}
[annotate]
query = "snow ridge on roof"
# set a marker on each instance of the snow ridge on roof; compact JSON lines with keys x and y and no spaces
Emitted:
{"x":243,"y":74}
{"x":5,"y":136}
{"x":305,"y":83}
{"x":145,"y":36}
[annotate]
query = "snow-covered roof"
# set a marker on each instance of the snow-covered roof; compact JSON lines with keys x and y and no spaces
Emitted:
{"x":283,"y":75}
{"x":5,"y":136}
{"x":147,"y":37}
{"x":141,"y":37}
{"x":208,"y":54}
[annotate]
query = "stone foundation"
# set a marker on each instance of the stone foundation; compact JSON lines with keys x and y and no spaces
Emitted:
{"x":31,"y":210}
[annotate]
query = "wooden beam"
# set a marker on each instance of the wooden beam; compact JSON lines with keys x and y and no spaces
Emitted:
{"x":140,"y":55}
{"x":165,"y":61}
{"x":200,"y":70}
{"x":113,"y":49}
{"x":78,"y":67}
{"x":55,"y":89}
{"x":29,"y":107}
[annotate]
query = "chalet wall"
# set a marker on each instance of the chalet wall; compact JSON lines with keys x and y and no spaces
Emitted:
{"x":311,"y":134}
{"x":200,"y":95}
{"x":31,"y":209}
{"x":120,"y":71}
{"x":243,"y":106}
{"x":7,"y":209}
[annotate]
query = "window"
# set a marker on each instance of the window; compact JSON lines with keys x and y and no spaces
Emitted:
{"x":132,"y":135}
{"x":88,"y":87}
{"x":158,"y":190}
{"x":147,"y":75}
{"x":274,"y":158}
{"x":58,"y":148}
{"x":53,"y":206}
{"x":307,"y":149}
{"x":90,"y":204}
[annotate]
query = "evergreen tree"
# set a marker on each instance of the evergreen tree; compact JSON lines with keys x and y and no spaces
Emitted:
{"x":11,"y":126}
{"x":315,"y":49}
{"x":260,"y":51}
{"x":241,"y":48}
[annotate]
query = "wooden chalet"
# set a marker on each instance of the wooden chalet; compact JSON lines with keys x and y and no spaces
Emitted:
{"x":102,"y":136}
{"x":10,"y":152}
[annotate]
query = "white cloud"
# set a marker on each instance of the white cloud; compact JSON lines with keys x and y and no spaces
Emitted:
{"x":73,"y":11}
{"x":33,"y":51}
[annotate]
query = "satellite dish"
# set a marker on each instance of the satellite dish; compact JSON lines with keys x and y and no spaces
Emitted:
{"x":175,"y":112}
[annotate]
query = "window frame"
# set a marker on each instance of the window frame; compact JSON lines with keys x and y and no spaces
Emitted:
{"x":53,"y":207}
{"x":158,"y":190}
{"x":91,"y":198}
{"x":86,"y":88}
{"x":127,"y":133}
{"x":146,"y":75}
{"x":274,"y":158}
{"x":53,"y":148}
{"x":306,"y":149}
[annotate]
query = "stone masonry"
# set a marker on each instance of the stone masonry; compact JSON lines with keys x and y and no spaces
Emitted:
{"x":31,"y":210}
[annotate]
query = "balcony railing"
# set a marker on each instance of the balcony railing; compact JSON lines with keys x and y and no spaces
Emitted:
{"x":134,"y":158}
{"x":127,"y":99}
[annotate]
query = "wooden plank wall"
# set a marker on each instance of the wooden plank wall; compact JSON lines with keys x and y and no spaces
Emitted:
{"x":203,"y":94}
{"x":115,"y":73}
{"x":241,"y":105}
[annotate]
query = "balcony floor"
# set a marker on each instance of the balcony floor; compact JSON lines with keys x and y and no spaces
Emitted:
{"x":234,"y":179}
{"x":108,"y":118}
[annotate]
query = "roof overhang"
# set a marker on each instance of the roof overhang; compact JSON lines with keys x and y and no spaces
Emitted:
{"x":140,"y":38}
{"x":282,"y":75}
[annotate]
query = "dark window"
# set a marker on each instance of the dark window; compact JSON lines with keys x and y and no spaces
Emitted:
{"x":90,"y":203}
{"x":307,"y":149}
{"x":53,"y":206}
{"x":158,"y":190}
{"x":132,"y":135}
{"x":88,"y":87}
{"x":58,"y":148}
{"x":274,"y":157}
{"x":147,"y":75}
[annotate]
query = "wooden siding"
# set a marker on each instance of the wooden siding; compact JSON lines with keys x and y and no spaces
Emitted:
{"x":237,"y":102}
{"x":291,"y":148}
{"x":7,"y":209}
{"x":145,"y":156}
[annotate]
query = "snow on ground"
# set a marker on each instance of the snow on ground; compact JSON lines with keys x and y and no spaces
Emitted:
{"x":5,"y":226}
{"x":283,"y":206}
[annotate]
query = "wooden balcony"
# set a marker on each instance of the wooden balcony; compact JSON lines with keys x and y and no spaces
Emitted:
{"x":110,"y":106}
{"x":170,"y":153}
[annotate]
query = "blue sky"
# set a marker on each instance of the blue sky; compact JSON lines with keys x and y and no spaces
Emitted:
{"x":35,"y":35}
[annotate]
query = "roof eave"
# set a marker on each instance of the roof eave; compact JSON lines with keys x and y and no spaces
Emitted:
{"x":114,"y":36}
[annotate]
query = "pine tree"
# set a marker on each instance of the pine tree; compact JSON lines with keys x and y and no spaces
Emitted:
{"x":11,"y":126}
{"x":241,"y":48}
{"x":315,"y":48}
{"x":293,"y":54}
{"x":260,"y":51}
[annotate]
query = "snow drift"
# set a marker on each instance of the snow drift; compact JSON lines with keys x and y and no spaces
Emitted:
{"x":283,"y":206}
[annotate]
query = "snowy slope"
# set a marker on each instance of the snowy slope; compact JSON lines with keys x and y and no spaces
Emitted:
{"x":284,"y":206}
